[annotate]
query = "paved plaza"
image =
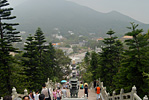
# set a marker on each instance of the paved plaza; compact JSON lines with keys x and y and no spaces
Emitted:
{"x":91,"y":95}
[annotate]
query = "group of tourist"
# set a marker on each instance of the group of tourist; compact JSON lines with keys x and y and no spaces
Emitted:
{"x":46,"y":94}
{"x":57,"y":93}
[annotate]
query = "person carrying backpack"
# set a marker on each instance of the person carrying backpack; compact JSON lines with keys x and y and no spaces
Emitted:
{"x":46,"y":92}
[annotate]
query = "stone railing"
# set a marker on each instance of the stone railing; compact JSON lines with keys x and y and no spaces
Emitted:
{"x":122,"y":96}
{"x":50,"y":85}
{"x":16,"y":96}
{"x":91,"y":85}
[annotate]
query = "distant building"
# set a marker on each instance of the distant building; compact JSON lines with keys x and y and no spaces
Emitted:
{"x":99,"y":39}
{"x":127,"y":37}
{"x":12,"y":53}
{"x":71,"y":33}
{"x":77,"y":58}
{"x":58,"y":36}
{"x":56,"y":44}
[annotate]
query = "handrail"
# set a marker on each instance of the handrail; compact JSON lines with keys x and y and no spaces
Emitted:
{"x":101,"y":96}
{"x":136,"y":96}
{"x":122,"y":96}
{"x":15,"y":95}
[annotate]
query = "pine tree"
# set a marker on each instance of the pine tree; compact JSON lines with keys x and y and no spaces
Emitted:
{"x":8,"y":35}
{"x":29,"y":61}
{"x":108,"y":58}
{"x":135,"y":62}
{"x":40,"y":47}
{"x":49,"y":62}
{"x":39,"y":42}
{"x":34,"y":56}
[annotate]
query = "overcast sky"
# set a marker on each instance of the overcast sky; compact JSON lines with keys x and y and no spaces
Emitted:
{"x":137,"y":9}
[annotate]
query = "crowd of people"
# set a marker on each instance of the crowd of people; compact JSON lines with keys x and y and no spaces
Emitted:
{"x":46,"y":93}
{"x":57,"y":93}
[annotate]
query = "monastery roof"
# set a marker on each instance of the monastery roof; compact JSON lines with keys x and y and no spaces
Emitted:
{"x":127,"y":37}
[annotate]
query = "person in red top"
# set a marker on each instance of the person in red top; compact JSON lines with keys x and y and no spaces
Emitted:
{"x":98,"y":89}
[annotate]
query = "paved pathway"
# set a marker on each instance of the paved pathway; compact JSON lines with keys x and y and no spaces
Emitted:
{"x":91,"y":94}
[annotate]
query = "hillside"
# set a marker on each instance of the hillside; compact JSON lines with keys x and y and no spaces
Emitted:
{"x":69,"y":16}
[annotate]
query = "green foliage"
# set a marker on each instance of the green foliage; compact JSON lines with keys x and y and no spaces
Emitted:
{"x":94,"y":65}
{"x":87,"y":58}
{"x":42,"y":62}
{"x":110,"y":60}
{"x":63,"y":63}
{"x":8,"y":35}
{"x":135,"y":62}
{"x":33,"y":62}
{"x":87,"y":77}
{"x":49,"y":64}
{"x":18,"y":78}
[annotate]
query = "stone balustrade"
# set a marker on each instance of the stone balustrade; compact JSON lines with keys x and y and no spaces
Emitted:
{"x":50,"y":85}
{"x":16,"y":96}
{"x":1,"y":98}
{"x":122,"y":96}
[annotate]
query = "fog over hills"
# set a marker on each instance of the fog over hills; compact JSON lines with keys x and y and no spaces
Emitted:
{"x":69,"y":16}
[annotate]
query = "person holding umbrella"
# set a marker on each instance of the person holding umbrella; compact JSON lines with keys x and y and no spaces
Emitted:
{"x":63,"y":82}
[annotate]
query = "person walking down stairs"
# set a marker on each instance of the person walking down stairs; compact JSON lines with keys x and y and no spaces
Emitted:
{"x":98,"y":89}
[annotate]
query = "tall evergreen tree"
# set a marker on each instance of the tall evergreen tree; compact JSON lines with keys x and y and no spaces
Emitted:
{"x":40,"y":46}
{"x":49,"y":62}
{"x":8,"y":35}
{"x":34,"y":67}
{"x":108,"y":58}
{"x":135,"y":62}
{"x":29,"y":61}
{"x":39,"y":42}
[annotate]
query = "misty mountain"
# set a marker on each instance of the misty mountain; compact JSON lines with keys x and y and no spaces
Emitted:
{"x":69,"y":16}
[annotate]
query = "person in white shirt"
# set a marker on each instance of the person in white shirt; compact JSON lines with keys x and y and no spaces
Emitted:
{"x":46,"y":92}
{"x":64,"y":92}
{"x":31,"y":96}
{"x":36,"y":95}
{"x":58,"y":85}
{"x":58,"y":94}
